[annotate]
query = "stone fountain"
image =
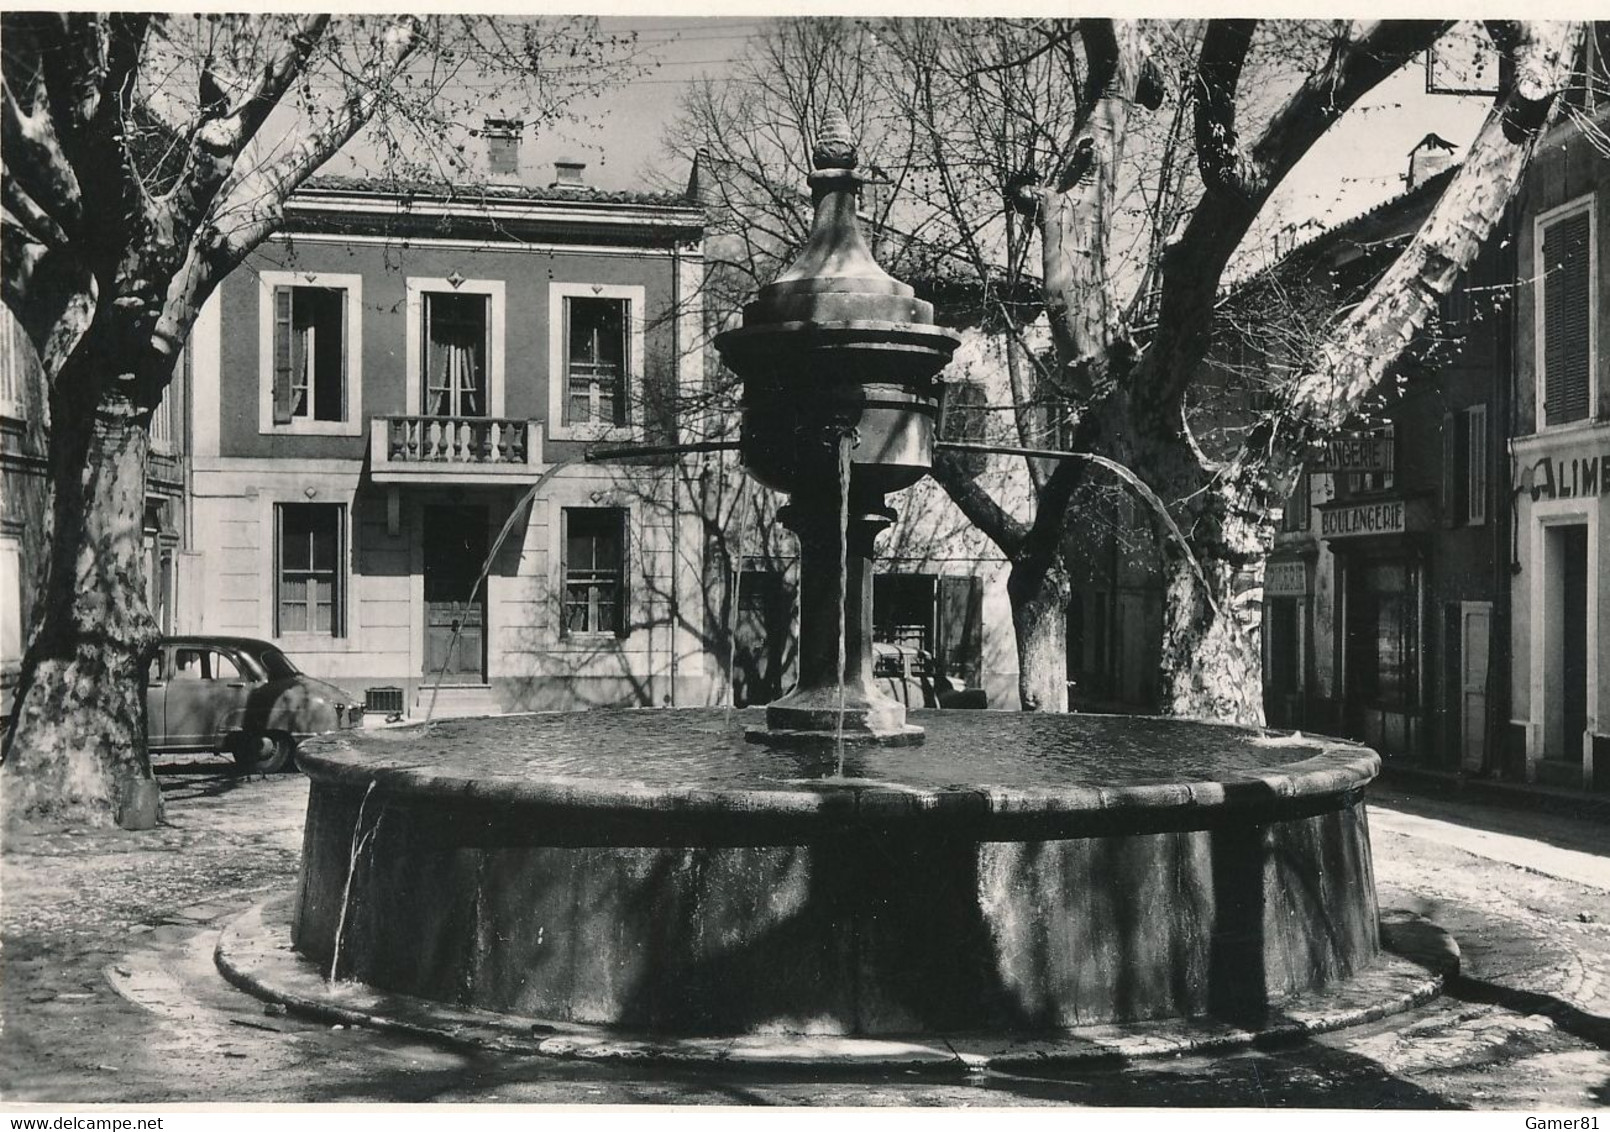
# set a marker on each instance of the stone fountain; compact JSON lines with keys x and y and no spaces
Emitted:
{"x":654,"y":873}
{"x":838,"y":362}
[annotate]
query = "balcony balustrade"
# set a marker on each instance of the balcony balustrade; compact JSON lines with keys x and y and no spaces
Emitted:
{"x":423,"y":449}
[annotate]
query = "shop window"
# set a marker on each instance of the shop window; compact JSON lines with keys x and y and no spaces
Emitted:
{"x":595,"y":558}
{"x":1383,"y":634}
{"x":1565,"y":268}
{"x":308,"y":576}
{"x":1283,"y":618}
{"x":457,"y":345}
{"x":595,"y":360}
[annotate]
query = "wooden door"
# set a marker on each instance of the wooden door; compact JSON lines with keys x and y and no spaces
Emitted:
{"x":1475,"y":633}
{"x":455,"y":550}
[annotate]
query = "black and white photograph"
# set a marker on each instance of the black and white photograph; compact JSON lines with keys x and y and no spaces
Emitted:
{"x":822,"y":560}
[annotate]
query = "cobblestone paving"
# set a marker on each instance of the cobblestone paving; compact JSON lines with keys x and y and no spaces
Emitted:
{"x":1526,"y":1026}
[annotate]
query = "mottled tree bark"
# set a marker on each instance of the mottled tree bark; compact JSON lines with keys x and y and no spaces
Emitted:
{"x":77,"y":746}
{"x":1039,"y":592}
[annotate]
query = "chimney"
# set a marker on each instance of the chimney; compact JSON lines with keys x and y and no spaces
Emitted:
{"x":1431,"y":156}
{"x":567,"y":173}
{"x":503,"y":146}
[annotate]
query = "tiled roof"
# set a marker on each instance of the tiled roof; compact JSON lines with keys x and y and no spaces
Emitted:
{"x":474,"y":192}
{"x":1427,"y":190}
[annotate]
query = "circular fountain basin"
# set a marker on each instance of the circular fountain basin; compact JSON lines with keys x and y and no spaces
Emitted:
{"x":654,"y":871}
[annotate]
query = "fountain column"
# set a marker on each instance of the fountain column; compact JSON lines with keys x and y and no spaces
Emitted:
{"x":834,"y":350}
{"x":814,"y":704}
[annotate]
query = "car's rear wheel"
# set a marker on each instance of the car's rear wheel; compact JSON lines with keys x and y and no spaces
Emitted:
{"x":264,"y":753}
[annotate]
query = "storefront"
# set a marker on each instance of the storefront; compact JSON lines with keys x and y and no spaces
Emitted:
{"x":1559,"y":629}
{"x":1288,"y":618}
{"x":1381,"y":586}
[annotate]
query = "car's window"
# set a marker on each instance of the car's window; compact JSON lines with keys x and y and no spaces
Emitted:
{"x":191,"y":664}
{"x":276,"y":664}
{"x":224,"y":667}
{"x":153,"y":670}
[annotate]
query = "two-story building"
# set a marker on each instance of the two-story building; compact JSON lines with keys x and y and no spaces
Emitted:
{"x":1557,"y":472}
{"x":1389,"y":570}
{"x":391,"y":402}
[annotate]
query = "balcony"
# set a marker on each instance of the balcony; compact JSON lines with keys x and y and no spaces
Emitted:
{"x":454,"y":450}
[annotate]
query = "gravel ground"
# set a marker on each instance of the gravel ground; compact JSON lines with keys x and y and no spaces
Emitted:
{"x":109,"y":992}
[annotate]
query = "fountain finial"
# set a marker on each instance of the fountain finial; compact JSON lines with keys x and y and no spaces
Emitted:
{"x":836,"y":145}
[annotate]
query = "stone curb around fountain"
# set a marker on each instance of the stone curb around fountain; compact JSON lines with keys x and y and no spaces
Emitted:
{"x":254,"y":953}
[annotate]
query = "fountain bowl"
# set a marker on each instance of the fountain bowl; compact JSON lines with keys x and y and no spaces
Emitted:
{"x":654,"y":872}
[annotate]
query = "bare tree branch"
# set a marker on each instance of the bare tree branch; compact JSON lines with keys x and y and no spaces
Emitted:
{"x":251,"y":204}
{"x":221,"y":133}
{"x":1194,"y":263}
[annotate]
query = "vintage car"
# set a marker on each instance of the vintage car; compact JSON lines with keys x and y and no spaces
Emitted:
{"x":239,"y":696}
{"x":910,"y":675}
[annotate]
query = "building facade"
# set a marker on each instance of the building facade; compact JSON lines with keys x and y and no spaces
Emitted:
{"x":398,"y":390}
{"x":168,"y":561}
{"x":1557,"y":474}
{"x":1388,"y":576}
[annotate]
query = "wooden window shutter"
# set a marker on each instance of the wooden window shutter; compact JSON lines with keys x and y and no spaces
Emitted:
{"x":1451,"y":470}
{"x":563,"y":376}
{"x":623,"y":392}
{"x":1566,"y":286}
{"x":1476,"y":478}
{"x":282,"y":355}
{"x":346,"y":349}
{"x":623,"y":606}
{"x":564,"y":572}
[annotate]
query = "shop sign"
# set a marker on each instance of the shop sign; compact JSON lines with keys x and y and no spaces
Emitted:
{"x":1567,"y":477}
{"x":1357,"y":452}
{"x":1288,"y":578}
{"x":1384,"y":517}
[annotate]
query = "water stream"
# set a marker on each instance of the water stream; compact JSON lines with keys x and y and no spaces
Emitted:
{"x":740,"y":523}
{"x":845,"y":445}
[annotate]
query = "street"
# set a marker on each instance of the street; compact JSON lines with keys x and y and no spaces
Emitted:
{"x":111,"y":994}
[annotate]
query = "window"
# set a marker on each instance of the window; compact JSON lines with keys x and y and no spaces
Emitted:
{"x":456,"y":350}
{"x":595,"y":570}
{"x":308,"y":575}
{"x":311,"y":353}
{"x":455,"y":346}
{"x":1464,"y":467}
{"x":1565,"y":324}
{"x":12,"y":638}
{"x":162,"y":420}
{"x":16,"y":359}
{"x":595,"y":360}
{"x":1295,"y":517}
{"x":1475,"y":468}
{"x":201,"y":664}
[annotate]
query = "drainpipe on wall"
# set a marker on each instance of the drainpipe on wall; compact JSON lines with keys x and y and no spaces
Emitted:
{"x":1501,"y":462}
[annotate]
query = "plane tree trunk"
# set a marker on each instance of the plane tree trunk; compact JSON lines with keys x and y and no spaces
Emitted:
{"x":77,"y":748}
